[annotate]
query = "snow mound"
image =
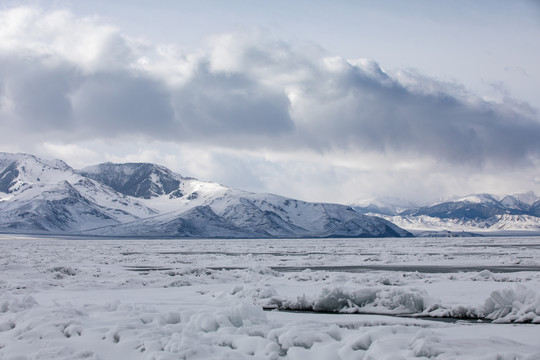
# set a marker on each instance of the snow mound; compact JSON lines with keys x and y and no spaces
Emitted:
{"x":14,"y":305}
{"x":396,"y":301}
{"x":513,"y":305}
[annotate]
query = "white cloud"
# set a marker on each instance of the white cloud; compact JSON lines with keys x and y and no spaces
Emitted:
{"x":261,"y":113}
{"x":86,"y":42}
{"x":75,"y":155}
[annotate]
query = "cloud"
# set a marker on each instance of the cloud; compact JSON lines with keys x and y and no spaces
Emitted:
{"x":76,"y":155}
{"x":36,"y":93}
{"x":112,"y":104}
{"x":78,"y":78}
{"x":369,"y":109}
{"x":224,"y":105}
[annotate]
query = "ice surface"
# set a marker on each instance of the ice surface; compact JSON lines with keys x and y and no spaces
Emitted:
{"x":84,"y":298}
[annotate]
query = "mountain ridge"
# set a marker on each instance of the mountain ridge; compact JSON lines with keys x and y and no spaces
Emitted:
{"x":475,"y":212}
{"x":144,"y":199}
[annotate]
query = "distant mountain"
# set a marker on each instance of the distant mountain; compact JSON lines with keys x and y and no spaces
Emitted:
{"x":383,"y":205}
{"x":141,"y":199}
{"x":477,"y":212}
{"x":479,"y":206}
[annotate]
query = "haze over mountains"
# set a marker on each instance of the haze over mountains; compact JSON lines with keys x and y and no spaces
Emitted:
{"x":141,"y":199}
{"x":477,"y":212}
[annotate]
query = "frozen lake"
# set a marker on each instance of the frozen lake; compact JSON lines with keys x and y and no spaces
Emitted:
{"x":84,"y":298}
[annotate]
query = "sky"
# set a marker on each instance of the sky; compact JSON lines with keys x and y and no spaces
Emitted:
{"x":336,"y":101}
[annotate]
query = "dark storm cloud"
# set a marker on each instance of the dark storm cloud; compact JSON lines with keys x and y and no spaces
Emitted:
{"x":62,"y":99}
{"x":37,"y":93}
{"x":55,"y":98}
{"x":245,"y":93}
{"x":225,"y":105}
{"x":112,"y":104}
{"x":375,"y":111}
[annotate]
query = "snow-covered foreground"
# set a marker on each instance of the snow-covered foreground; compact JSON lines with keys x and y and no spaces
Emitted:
{"x":438,"y":298}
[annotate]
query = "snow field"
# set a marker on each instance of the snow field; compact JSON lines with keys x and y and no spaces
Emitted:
{"x":172,"y":299}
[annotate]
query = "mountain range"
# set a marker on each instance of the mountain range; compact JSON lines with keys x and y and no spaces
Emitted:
{"x":142,"y":199}
{"x":476,"y":212}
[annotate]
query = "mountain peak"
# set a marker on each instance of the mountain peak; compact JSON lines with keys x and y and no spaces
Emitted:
{"x":528,"y":198}
{"x":142,"y":180}
{"x":481,"y":198}
{"x":385,"y":205}
{"x":19,"y":171}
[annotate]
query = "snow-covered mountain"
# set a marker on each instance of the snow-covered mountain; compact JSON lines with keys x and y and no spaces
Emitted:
{"x":140,"y":199}
{"x":478,"y":206}
{"x":477,"y":212}
{"x":137,"y":180}
{"x":383,"y":205}
{"x":49,"y":196}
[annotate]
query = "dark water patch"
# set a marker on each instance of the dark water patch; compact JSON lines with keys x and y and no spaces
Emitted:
{"x":504,"y":246}
{"x":254,"y":253}
{"x":465,"y":253}
{"x":451,"y":320}
{"x":147,"y":268}
{"x":187,"y":253}
{"x":428,"y":269}
{"x":433,"y":269}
